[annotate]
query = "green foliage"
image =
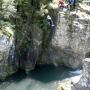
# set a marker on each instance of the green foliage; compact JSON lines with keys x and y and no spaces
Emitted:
{"x":5,"y":22}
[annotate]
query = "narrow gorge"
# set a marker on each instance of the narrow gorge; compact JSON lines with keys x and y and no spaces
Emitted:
{"x":27,"y":42}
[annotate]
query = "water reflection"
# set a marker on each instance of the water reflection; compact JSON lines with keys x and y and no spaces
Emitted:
{"x":45,"y":73}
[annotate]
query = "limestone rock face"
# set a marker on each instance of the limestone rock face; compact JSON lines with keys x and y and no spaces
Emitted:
{"x":84,"y":83}
{"x":7,"y":57}
{"x":71,"y":40}
{"x":7,"y":41}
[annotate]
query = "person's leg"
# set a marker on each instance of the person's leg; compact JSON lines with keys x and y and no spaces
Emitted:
{"x":70,"y":7}
{"x":74,"y":5}
{"x":51,"y":22}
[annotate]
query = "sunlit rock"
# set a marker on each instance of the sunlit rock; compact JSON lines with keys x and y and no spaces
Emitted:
{"x":7,"y":42}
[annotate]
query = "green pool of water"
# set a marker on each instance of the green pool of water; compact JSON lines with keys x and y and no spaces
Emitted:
{"x":42,"y":78}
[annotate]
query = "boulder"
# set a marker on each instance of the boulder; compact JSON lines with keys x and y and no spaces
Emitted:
{"x":84,"y":82}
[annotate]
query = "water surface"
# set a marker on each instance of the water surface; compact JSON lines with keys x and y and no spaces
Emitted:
{"x":42,"y":78}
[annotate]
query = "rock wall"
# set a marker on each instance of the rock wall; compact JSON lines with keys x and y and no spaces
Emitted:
{"x":34,"y":42}
{"x":31,"y":24}
{"x":7,"y":57}
{"x":7,"y":40}
{"x":84,"y":82}
{"x":71,"y":40}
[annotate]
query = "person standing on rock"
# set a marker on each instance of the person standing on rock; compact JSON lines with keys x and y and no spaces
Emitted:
{"x":49,"y":19}
{"x":50,"y":25}
{"x":72,"y":4}
{"x":61,"y":4}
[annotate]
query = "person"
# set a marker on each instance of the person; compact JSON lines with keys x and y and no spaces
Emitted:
{"x":50,"y":22}
{"x":72,"y":3}
{"x":49,"y":19}
{"x":61,"y":4}
{"x":52,"y":27}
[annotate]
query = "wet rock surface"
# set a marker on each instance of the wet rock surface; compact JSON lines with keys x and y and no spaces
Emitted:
{"x":84,"y":82}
